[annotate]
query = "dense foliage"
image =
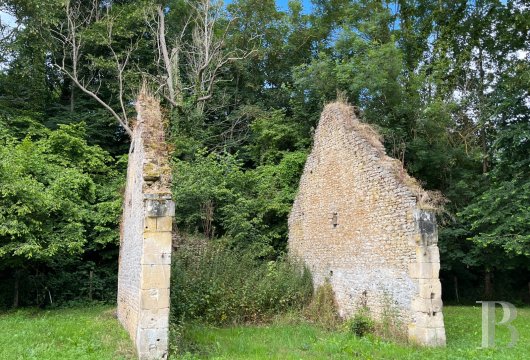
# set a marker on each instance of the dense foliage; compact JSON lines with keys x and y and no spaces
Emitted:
{"x":446,"y":84}
{"x":60,"y":203}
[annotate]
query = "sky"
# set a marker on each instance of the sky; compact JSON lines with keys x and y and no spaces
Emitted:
{"x":282,"y":4}
{"x":6,"y":19}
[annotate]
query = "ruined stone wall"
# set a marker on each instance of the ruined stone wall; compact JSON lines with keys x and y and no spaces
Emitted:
{"x":357,"y":221}
{"x":145,"y":246}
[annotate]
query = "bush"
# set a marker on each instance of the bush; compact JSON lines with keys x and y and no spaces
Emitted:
{"x":361,"y":324}
{"x":221,"y":286}
{"x":323,"y":308}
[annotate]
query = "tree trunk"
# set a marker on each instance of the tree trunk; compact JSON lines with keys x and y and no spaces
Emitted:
{"x":208,"y":209}
{"x":488,"y":285}
{"x":483,"y":129}
{"x":91,"y":277}
{"x":16,"y":290}
{"x":484,"y":149}
{"x":72,"y":88}
{"x":455,"y":279}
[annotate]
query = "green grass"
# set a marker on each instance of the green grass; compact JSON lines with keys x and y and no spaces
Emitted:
{"x":288,"y":339}
{"x":63,"y":334}
{"x":94,"y":333}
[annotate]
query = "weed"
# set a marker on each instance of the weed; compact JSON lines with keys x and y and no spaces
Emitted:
{"x":323,"y":308}
{"x":361,"y":323}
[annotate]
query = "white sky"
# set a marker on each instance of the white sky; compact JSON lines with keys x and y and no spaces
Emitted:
{"x":7,"y":19}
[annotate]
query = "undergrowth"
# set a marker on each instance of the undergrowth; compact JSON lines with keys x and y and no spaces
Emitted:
{"x":221,"y":286}
{"x":323,"y":308}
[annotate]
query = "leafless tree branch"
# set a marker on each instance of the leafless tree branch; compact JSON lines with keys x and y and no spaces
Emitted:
{"x":205,"y":53}
{"x":68,"y":35}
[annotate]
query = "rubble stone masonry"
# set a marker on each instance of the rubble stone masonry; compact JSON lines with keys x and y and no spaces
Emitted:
{"x":358,"y":222}
{"x":145,"y":248}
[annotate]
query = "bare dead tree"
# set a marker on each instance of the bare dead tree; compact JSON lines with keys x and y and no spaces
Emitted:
{"x":205,"y":54}
{"x":69,"y":36}
{"x":170,"y":59}
{"x":208,"y":211}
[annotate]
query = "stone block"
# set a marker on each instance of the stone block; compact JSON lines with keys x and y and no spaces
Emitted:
{"x":437,"y":304}
{"x":154,"y":318}
{"x":430,"y":288}
{"x":157,"y":195}
{"x":149,"y":224}
{"x":426,"y":336}
{"x":425,"y":289}
{"x":155,"y":277}
{"x":157,"y":248}
{"x":421,"y":305}
{"x":156,"y":355}
{"x":435,"y":253}
{"x":433,"y":320}
{"x":152,"y":344}
{"x":159,"y":207}
{"x":155,"y":299}
{"x":427,"y":254}
{"x":164,"y":223}
{"x":157,"y":258}
{"x":151,"y":172}
{"x":421,"y":270}
{"x":435,"y":270}
{"x":440,"y":336}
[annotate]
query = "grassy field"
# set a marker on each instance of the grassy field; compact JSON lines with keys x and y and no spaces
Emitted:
{"x":94,"y":333}
{"x":286,"y":339}
{"x":84,"y":333}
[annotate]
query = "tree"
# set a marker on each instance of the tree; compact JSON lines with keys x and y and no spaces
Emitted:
{"x":72,"y":36}
{"x":193,"y":66}
{"x":53,"y":198}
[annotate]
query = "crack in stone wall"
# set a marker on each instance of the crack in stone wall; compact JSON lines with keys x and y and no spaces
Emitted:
{"x":146,"y":233}
{"x":357,"y":221}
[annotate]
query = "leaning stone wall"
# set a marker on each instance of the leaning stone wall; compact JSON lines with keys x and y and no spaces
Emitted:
{"x":145,"y":246}
{"x":357,"y":222}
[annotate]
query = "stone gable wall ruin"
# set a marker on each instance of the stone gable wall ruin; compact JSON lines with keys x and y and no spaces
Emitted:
{"x":145,"y":246}
{"x":357,"y":222}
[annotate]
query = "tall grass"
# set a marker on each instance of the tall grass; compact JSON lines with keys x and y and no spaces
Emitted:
{"x":323,"y":309}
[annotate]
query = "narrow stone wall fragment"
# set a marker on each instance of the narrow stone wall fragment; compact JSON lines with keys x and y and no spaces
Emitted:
{"x":145,"y":246}
{"x":358,"y":221}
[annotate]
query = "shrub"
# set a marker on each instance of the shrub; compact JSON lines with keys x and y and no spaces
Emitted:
{"x":221,"y":286}
{"x":389,"y":325}
{"x":361,"y":324}
{"x":323,"y":307}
